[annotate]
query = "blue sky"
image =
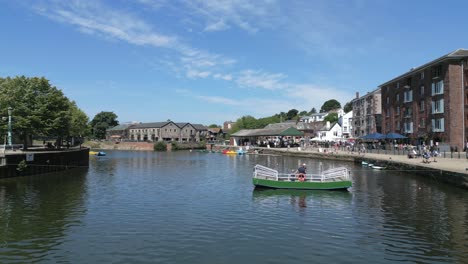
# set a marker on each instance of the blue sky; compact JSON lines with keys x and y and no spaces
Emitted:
{"x":212,"y":61}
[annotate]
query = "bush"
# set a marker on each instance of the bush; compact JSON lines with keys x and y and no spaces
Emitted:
{"x":175,"y":146}
{"x":160,"y":146}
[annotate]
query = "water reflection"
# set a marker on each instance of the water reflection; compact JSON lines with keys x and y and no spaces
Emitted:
{"x":194,"y":207}
{"x":36,"y":213}
{"x":303,"y":198}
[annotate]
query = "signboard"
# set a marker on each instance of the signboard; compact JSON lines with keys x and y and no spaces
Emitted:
{"x":30,"y":157}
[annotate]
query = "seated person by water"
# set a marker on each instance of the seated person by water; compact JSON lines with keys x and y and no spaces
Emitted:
{"x":426,"y":157}
{"x":412,"y":154}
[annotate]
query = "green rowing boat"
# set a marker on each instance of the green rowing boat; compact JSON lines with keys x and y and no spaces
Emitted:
{"x":332,"y":179}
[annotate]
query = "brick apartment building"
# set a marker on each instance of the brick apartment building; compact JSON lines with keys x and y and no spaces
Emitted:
{"x":428,"y":104}
{"x":367,"y":112}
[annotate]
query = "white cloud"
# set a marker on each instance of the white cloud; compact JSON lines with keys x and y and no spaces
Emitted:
{"x":92,"y":18}
{"x":260,"y":79}
{"x":226,"y":77}
{"x":192,"y":74}
{"x":218,"y":26}
{"x":220,"y":15}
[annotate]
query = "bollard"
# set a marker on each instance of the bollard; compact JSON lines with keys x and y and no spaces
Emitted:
{"x":459,"y":154}
{"x":444,"y":153}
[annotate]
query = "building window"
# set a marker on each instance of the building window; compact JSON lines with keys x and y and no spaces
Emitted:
{"x":437,"y":71}
{"x":397,"y":112}
{"x":408,"y":127}
{"x":397,"y":125}
{"x":422,"y":123}
{"x":408,"y":82}
{"x":421,"y":76}
{"x":408,"y":112}
{"x":438,"y":88}
{"x":421,"y":91}
{"x":388,"y":100}
{"x":438,"y":125}
{"x":438,"y":106}
{"x":398,"y":85}
{"x":421,"y":106}
{"x":408,"y":96}
{"x":388,"y":112}
{"x":397,"y":97}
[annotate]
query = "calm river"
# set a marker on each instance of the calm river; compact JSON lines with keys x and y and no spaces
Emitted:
{"x":182,"y":207}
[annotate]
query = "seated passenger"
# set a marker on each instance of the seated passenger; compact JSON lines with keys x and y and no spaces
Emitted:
{"x":302,"y":170}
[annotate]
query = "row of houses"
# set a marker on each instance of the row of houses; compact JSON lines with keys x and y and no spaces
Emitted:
{"x":427,"y":104}
{"x":163,"y":131}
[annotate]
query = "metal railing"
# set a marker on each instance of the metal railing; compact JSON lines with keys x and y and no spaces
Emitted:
{"x":335,"y":174}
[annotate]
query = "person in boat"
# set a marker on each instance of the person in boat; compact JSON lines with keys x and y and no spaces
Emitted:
{"x":301,"y":172}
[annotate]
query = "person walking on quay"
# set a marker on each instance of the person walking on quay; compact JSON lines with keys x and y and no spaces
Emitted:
{"x":434,"y":153}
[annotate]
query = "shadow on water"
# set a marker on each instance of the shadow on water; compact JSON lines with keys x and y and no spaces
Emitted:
{"x":36,"y":212}
{"x":302,"y":197}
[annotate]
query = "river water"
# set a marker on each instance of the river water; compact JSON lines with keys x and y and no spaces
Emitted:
{"x":182,"y":207}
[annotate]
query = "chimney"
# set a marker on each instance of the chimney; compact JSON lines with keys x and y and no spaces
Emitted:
{"x":328,"y":125}
{"x":357,"y":95}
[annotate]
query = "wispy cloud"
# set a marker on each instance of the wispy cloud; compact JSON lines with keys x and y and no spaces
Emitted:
{"x":260,"y":79}
{"x":92,"y":17}
{"x":218,"y":15}
{"x":226,"y":77}
{"x":218,"y":26}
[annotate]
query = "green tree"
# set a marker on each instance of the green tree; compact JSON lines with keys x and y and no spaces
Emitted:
{"x":348,"y":107}
{"x":303,"y":113}
{"x":101,"y":122}
{"x":330,"y":105}
{"x":332,"y":118}
{"x":292,"y":114}
{"x":213,"y":126}
{"x":39,"y":109}
{"x":313,"y":110}
{"x":79,"y":121}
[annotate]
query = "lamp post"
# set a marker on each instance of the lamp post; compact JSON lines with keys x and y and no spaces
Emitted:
{"x":9,"y":126}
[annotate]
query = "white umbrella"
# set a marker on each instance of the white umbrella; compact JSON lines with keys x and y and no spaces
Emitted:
{"x":316,"y":139}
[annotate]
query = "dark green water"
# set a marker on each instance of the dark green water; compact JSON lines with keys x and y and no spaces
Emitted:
{"x":181,"y":207}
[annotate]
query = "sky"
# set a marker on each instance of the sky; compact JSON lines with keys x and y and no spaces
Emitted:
{"x":210,"y":61}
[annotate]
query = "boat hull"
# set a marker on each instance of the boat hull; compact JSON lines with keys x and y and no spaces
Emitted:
{"x":297,"y":185}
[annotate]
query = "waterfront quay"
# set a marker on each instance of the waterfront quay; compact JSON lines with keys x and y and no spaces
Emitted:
{"x":35,"y":161}
{"x":448,"y":167}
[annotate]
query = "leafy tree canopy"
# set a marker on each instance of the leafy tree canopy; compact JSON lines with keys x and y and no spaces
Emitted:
{"x":250,"y":122}
{"x":292,"y":114}
{"x":303,"y":113}
{"x":330,"y":105}
{"x":313,"y":110}
{"x":38,"y":108}
{"x":213,"y":126}
{"x":332,"y":118}
{"x":101,"y":122}
{"x":348,"y":107}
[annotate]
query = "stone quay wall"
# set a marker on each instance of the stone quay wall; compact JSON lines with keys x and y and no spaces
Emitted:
{"x":23,"y":163}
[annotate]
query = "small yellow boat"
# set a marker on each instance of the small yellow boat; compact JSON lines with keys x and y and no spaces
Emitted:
{"x":93,"y":153}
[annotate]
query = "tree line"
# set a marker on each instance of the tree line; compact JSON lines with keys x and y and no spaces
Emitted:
{"x":42,"y":111}
{"x":250,"y":122}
